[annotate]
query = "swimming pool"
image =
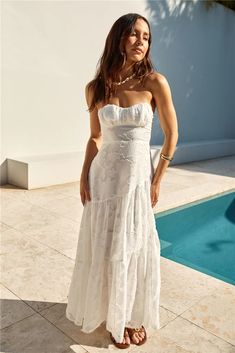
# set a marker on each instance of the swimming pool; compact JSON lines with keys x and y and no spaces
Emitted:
{"x":201,"y":235}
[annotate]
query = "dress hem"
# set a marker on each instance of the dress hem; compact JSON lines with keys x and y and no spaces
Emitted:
{"x":98,"y":324}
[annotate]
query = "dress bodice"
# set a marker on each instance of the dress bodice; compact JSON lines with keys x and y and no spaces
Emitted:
{"x":126,"y":124}
{"x":123,"y":160}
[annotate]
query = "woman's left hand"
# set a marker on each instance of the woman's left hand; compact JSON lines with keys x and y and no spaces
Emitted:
{"x":154,"y":192}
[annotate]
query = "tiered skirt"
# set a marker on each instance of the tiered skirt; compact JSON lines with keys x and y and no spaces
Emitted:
{"x":116,"y":277}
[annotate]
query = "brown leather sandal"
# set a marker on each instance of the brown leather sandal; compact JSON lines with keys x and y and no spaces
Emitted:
{"x":120,"y":345}
{"x":132,"y":331}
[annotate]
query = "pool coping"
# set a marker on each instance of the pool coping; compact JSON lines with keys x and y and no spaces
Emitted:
{"x":173,"y":209}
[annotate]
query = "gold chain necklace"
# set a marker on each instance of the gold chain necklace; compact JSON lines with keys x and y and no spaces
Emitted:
{"x":127,"y":79}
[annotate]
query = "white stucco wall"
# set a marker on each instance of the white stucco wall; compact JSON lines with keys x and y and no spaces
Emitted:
{"x":50,"y":50}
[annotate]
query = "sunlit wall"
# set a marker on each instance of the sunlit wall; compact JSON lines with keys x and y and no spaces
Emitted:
{"x":50,"y":50}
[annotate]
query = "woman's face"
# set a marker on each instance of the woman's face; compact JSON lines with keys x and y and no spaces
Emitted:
{"x":137,"y":43}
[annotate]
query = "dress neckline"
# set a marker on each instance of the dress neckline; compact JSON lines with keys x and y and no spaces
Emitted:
{"x":131,"y":106}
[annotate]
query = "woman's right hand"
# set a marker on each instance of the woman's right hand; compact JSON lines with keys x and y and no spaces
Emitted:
{"x":84,"y":190}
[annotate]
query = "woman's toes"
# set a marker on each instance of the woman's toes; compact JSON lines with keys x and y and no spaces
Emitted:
{"x":136,"y":337}
{"x":141,"y":336}
{"x":126,"y":338}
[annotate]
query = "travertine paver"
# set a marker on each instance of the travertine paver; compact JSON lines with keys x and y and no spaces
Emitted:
{"x":39,"y":230}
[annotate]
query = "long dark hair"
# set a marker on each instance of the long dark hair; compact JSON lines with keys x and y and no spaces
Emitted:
{"x":113,"y":59}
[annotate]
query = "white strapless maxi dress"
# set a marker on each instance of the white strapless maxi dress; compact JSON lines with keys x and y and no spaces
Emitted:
{"x":116,"y":277}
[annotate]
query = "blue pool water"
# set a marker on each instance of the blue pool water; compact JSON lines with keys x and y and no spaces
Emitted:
{"x":201,"y":235}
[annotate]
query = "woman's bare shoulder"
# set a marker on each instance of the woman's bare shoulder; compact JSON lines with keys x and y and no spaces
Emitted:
{"x":89,"y":91}
{"x":158,"y":85}
{"x":157,"y":78}
{"x":89,"y":87}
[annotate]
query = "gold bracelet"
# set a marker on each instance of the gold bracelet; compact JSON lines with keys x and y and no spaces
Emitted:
{"x":167,"y":158}
{"x":163,"y":156}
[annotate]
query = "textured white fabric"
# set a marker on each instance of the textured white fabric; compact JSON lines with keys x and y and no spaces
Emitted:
{"x":116,"y":277}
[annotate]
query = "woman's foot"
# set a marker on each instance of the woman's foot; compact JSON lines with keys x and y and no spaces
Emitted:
{"x":138,"y":336}
{"x":126,"y":340}
{"x":126,"y":337}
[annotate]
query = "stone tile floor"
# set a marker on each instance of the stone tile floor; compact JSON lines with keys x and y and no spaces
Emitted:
{"x":39,"y":230}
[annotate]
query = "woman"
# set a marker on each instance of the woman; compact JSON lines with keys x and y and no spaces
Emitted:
{"x":116,"y":276}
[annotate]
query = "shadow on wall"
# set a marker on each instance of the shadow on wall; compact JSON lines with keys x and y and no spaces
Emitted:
{"x":3,"y":173}
{"x":188,"y":49}
{"x":166,"y":23}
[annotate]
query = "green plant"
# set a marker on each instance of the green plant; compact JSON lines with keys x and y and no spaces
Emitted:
{"x":230,"y":4}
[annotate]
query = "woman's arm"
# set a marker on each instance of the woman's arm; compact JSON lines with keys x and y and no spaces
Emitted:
{"x":92,"y":148}
{"x":168,"y":120}
{"x":95,"y":139}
